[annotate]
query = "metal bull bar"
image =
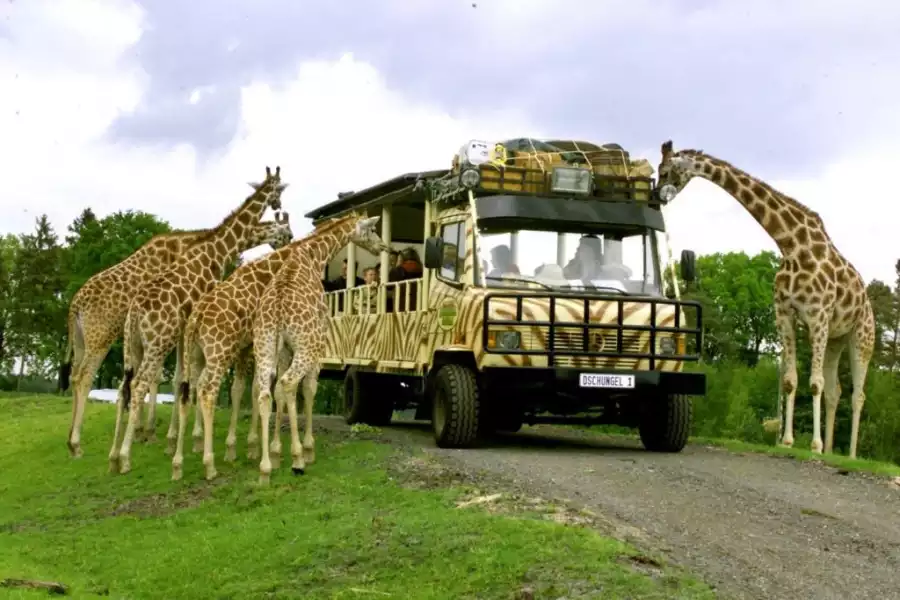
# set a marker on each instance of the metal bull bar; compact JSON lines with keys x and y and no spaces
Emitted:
{"x":586,"y":326}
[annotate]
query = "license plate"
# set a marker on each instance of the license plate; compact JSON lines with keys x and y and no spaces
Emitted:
{"x":603,"y":380}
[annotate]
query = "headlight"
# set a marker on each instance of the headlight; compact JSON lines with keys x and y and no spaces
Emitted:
{"x":470,"y":178}
{"x":571,"y":180}
{"x":505,"y":340}
{"x":667,"y":192}
{"x":666,"y":345}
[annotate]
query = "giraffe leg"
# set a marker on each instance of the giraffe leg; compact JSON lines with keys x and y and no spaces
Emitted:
{"x":832,"y":392}
{"x":253,"y":434}
{"x":284,"y":363}
{"x":286,"y":395}
{"x":197,"y":432}
{"x":172,"y":432}
{"x":238,"y":385}
{"x":861,"y":347}
{"x":149,"y":370}
{"x":182,"y":406}
{"x":784,"y":321}
{"x":265,"y":371}
{"x":207,"y":393}
{"x":310,"y":387}
{"x":149,"y":433}
{"x":82,"y":379}
{"x":120,"y":409}
{"x":818,"y":338}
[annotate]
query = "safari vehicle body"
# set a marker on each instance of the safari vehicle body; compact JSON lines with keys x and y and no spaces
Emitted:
{"x":479,"y":346}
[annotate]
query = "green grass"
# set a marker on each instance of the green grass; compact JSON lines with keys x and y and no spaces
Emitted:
{"x":344,"y":530}
{"x":838,"y":461}
{"x":797,"y":452}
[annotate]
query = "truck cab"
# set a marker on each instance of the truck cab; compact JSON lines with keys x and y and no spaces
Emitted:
{"x":530,"y":289}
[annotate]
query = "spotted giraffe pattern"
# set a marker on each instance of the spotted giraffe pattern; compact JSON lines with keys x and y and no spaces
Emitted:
{"x":291,"y":315}
{"x":815,"y":284}
{"x":219,"y":333}
{"x":157,"y":315}
{"x":96,"y":316}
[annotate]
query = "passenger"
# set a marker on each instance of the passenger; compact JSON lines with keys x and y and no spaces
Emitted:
{"x":612,"y":266}
{"x":367,"y":299}
{"x":340,"y":282}
{"x":501,"y":256}
{"x":585,"y":265}
{"x":409,"y":266}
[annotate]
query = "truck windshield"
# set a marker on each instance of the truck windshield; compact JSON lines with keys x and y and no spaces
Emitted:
{"x":608,"y":262}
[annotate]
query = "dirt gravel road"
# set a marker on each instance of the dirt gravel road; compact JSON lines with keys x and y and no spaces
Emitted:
{"x":754,"y":526}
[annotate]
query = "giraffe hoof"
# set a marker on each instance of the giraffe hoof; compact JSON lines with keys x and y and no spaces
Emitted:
{"x":264,"y":479}
{"x":297,"y":470}
{"x":230,"y":454}
{"x":176,"y":473}
{"x":211,"y":474}
{"x":170,"y":447}
{"x":75,"y":450}
{"x":198,"y":446}
{"x":124,"y":465}
{"x":114,"y":465}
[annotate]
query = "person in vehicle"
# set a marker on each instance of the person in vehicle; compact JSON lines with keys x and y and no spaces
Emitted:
{"x":585,"y":265}
{"x":367,"y":299}
{"x":340,"y":282}
{"x":409,"y":267}
{"x":501,"y":257}
{"x":612,"y":266}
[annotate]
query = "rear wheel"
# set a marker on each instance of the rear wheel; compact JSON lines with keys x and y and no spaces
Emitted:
{"x":454,"y":415}
{"x":366,"y":399}
{"x":665,"y":423}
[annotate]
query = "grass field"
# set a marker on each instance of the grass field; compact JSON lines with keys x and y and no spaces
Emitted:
{"x":349,"y":528}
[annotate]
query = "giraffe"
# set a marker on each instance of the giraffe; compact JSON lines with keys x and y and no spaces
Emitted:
{"x":96,"y":316}
{"x":815,"y":284}
{"x":292,"y":314}
{"x":157,"y":314}
{"x":217,"y":334}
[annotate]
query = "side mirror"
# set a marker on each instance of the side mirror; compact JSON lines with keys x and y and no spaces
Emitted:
{"x":688,"y":266}
{"x":434,"y":252}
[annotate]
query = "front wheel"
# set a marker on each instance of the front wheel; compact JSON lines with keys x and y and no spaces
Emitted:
{"x":665,"y":423}
{"x":366,"y":400}
{"x":454,"y":415}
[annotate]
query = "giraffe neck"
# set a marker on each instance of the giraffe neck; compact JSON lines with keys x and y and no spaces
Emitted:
{"x":320,"y":247}
{"x":209,"y":256}
{"x":788,"y":222}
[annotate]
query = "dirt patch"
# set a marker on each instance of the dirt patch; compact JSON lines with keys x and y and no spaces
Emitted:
{"x":163,"y":504}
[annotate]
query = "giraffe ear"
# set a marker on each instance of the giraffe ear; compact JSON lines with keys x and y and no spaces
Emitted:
{"x":681,"y":161}
{"x":268,"y":172}
{"x":255,"y":186}
{"x":281,"y":187}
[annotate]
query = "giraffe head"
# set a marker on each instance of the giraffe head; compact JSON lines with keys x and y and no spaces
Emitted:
{"x":271,"y":188}
{"x":363,"y":234}
{"x":276,"y":234}
{"x":676,"y":168}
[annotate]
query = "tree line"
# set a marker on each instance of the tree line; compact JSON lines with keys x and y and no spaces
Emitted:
{"x":39,"y":274}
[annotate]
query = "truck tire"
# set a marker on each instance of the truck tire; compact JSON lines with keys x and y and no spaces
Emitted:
{"x":365,"y":400}
{"x":665,"y":423}
{"x":455,"y":408}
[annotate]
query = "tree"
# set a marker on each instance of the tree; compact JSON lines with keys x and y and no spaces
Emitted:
{"x":883,"y":306}
{"x":38,"y":308}
{"x":9,"y":250}
{"x":736,"y":293}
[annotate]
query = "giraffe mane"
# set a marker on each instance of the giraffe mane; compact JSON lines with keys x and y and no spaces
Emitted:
{"x":210,"y":233}
{"x":756,"y":181}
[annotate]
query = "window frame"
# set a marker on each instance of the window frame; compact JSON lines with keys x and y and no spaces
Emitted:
{"x":459,"y":270}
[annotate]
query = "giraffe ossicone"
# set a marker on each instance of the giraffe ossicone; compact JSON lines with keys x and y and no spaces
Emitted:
{"x":815,"y":285}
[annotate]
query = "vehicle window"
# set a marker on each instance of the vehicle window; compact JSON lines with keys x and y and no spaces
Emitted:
{"x":454,"y":235}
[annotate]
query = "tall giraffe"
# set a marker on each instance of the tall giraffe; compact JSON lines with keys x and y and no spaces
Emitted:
{"x":157,"y":315}
{"x":219,"y":333}
{"x":815,"y":284}
{"x":292,"y":314}
{"x":97,"y":312}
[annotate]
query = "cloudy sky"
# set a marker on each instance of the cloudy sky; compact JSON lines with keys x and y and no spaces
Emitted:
{"x":171,"y":106}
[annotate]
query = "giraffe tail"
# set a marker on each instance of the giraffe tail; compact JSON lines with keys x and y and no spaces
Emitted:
{"x":188,"y":345}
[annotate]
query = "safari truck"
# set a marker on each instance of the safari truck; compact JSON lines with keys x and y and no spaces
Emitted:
{"x":532,"y":288}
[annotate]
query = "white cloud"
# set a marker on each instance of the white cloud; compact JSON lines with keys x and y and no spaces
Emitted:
{"x":68,"y":71}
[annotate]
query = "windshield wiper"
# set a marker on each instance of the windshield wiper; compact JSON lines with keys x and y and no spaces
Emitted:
{"x":519,"y":279}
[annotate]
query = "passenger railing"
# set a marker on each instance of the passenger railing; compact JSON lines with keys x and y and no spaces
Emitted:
{"x":395,"y":296}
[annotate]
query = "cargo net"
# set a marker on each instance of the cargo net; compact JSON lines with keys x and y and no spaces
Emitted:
{"x":608,"y":159}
